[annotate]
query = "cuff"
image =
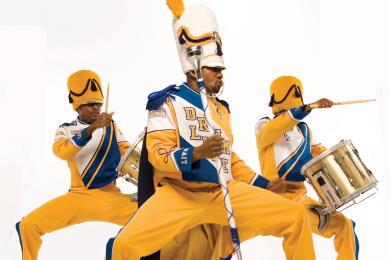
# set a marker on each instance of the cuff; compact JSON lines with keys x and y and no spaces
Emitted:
{"x":297,"y":113}
{"x":260,"y":182}
{"x":182,"y":159}
{"x":79,"y":139}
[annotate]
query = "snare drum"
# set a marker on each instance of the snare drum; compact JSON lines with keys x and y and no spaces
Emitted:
{"x":338,"y":176}
{"x":129,"y":165}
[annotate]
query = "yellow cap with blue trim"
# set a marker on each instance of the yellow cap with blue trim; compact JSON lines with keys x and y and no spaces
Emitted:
{"x":84,"y":87}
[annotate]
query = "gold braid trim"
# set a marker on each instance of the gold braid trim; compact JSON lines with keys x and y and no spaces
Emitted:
{"x":88,"y":101}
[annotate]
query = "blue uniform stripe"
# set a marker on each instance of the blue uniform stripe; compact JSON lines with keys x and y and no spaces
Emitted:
{"x":261,"y":182}
{"x":301,"y":157}
{"x":17,"y":226}
{"x":99,"y":157}
{"x":356,"y":241}
{"x":107,"y":171}
{"x":109,"y":247}
{"x":111,"y":241}
{"x":201,"y":170}
{"x":189,"y":95}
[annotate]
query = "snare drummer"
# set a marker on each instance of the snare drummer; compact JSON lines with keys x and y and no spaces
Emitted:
{"x":92,"y":159}
{"x":281,"y":147}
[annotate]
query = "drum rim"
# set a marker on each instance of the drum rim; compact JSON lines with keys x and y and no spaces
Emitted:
{"x":350,"y":197}
{"x":323,"y":154}
{"x":131,"y":148}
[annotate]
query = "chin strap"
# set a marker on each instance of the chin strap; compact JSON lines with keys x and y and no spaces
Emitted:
{"x":218,"y":94}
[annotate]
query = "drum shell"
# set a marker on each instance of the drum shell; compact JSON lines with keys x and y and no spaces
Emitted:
{"x":353,"y":166}
{"x":130,"y":162}
{"x":349,"y":165}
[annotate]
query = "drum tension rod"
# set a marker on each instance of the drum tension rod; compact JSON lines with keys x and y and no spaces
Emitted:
{"x":356,"y":166}
{"x":360,"y":159}
{"x":327,"y":173}
{"x":345,"y":172}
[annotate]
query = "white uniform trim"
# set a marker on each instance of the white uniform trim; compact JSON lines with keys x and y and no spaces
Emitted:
{"x":85,"y":155}
{"x":287,"y":145}
{"x":160,"y":119}
{"x":254,"y":179}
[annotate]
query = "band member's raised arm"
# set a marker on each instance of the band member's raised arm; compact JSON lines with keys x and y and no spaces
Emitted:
{"x":268,"y":131}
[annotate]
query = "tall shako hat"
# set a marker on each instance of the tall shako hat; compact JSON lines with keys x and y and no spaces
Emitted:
{"x":286,"y":93}
{"x":84,"y":87}
{"x":196,"y":25}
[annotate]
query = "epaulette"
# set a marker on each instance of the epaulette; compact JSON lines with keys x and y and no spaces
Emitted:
{"x":223,"y":102}
{"x":158,"y":98}
{"x":74,"y":122}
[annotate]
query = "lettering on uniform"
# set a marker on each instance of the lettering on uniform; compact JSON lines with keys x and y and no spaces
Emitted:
{"x":75,"y":132}
{"x":193,"y":135}
{"x":157,"y":113}
{"x":184,"y":156}
{"x":224,"y":163}
{"x":226,"y":146}
{"x":190,"y":113}
{"x":219,"y":132}
{"x":203,"y":124}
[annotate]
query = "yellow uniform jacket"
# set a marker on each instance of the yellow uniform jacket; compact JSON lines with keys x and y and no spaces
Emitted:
{"x":285,"y":144}
{"x":178,"y":126}
{"x":92,"y":161}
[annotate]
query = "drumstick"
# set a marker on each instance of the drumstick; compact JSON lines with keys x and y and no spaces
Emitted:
{"x":108,"y":95}
{"x":345,"y":102}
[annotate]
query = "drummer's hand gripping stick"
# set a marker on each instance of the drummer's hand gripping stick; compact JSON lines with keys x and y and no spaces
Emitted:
{"x":194,"y":56}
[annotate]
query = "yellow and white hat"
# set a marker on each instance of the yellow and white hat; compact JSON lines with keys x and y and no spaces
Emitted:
{"x":196,"y":25}
{"x":286,"y":93}
{"x":84,"y":87}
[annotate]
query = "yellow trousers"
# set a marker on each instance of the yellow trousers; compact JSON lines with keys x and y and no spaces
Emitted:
{"x":106,"y":204}
{"x":172,"y":210}
{"x":346,"y":243}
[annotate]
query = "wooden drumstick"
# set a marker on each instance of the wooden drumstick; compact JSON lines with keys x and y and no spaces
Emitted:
{"x":345,"y":102}
{"x":107,"y":96}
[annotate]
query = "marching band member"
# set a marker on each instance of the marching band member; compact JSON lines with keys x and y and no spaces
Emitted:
{"x":181,"y":155}
{"x":92,"y":145}
{"x":285,"y":144}
{"x":92,"y":158}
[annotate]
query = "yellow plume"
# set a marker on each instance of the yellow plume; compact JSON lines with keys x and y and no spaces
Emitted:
{"x":177,"y":7}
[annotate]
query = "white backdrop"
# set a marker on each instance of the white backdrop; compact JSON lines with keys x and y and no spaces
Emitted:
{"x":339,"y":50}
